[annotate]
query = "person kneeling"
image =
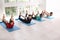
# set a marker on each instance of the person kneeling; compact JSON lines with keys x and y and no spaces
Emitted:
{"x":9,"y":24}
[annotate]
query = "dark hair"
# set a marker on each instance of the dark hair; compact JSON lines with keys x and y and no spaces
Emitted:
{"x":40,"y":15}
{"x":10,"y":21}
{"x":29,"y":15}
{"x":51,"y":13}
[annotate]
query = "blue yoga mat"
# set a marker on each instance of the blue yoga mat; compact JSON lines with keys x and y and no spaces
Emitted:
{"x":29,"y":24}
{"x":9,"y":30}
{"x":41,"y":20}
{"x":49,"y":17}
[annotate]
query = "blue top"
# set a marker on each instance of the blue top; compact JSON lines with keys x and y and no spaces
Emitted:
{"x":38,"y":17}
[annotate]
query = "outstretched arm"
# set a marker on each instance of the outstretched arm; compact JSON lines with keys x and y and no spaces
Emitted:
{"x":3,"y":18}
{"x":12,"y":19}
{"x":33,"y":14}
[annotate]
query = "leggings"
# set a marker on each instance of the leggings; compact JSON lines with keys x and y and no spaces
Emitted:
{"x":34,"y":17}
{"x":23,"y":20}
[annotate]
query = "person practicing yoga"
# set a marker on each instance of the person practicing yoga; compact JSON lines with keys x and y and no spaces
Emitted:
{"x":44,"y":12}
{"x":9,"y":24}
{"x":26,"y":19}
{"x":37,"y":16}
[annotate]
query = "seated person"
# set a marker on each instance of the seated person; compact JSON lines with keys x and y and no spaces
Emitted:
{"x":37,"y":16}
{"x":26,"y":19}
{"x":47,"y":13}
{"x":9,"y":24}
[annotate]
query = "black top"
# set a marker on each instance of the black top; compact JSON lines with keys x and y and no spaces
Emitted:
{"x":28,"y":20}
{"x":26,"y":15}
{"x":10,"y":21}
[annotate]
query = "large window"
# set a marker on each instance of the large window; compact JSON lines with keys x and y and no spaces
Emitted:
{"x":23,"y":0}
{"x":16,"y":1}
{"x":23,"y":5}
{"x":10,"y":10}
{"x":6,"y":1}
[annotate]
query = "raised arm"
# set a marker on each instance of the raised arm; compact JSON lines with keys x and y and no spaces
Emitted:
{"x":12,"y":17}
{"x":33,"y":14}
{"x":3,"y":17}
{"x":37,"y":13}
{"x":21,"y":15}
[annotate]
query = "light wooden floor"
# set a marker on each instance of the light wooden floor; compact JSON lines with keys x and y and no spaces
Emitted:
{"x":47,"y":30}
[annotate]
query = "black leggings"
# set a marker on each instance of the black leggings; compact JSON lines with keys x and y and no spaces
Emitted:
{"x":34,"y":17}
{"x":23,"y":20}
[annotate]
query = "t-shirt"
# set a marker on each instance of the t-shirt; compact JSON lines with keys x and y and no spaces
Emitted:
{"x":9,"y":25}
{"x":27,"y":20}
{"x":38,"y":17}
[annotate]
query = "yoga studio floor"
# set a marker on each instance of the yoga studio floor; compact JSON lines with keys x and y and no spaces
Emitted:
{"x":46,"y":30}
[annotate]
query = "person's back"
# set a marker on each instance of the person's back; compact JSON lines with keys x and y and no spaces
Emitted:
{"x":38,"y":17}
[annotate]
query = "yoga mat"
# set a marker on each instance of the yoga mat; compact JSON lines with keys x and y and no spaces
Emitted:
{"x":9,"y":30}
{"x":49,"y":17}
{"x":41,"y":20}
{"x":28,"y":24}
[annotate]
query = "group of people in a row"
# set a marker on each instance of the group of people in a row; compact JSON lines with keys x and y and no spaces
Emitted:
{"x":27,"y":18}
{"x":38,"y":16}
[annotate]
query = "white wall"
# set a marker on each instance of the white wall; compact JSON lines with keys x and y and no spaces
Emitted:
{"x":1,"y":8}
{"x":54,"y":6}
{"x":42,"y":4}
